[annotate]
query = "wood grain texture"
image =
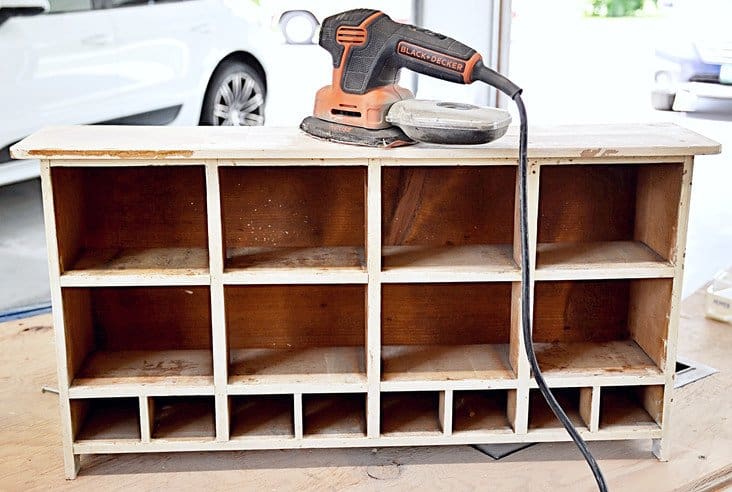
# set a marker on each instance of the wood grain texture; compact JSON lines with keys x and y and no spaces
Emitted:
{"x":657,"y":207}
{"x":445,"y":314}
{"x":120,"y":208}
{"x":410,"y":413}
{"x":541,"y":416}
{"x":435,"y":206}
{"x":334,"y":415}
{"x":587,"y":359}
{"x":481,"y":411}
{"x":292,"y":207}
{"x":184,"y":418}
{"x":648,"y":316}
{"x":175,"y":143}
{"x":587,"y":203}
{"x":261,"y":416}
{"x":109,"y":419}
{"x":625,"y":407}
{"x":581,"y":311}
{"x":295,"y":316}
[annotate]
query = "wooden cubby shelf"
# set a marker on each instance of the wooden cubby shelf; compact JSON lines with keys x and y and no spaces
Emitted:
{"x":252,"y":288}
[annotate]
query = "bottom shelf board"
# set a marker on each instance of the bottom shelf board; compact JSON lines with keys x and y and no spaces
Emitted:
{"x":112,"y":419}
{"x":582,"y":359}
{"x":261,"y":416}
{"x":410,"y":414}
{"x":334,"y":415}
{"x":325,"y":366}
{"x":165,"y":368}
{"x":445,"y":362}
{"x":480,"y":412}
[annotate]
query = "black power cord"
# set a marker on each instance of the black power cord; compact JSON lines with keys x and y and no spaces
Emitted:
{"x":525,"y":297}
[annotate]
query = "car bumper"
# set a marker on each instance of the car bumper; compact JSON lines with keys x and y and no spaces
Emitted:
{"x":697,"y":96}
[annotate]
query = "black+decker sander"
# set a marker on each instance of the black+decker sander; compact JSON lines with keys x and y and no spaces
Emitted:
{"x":365,"y":106}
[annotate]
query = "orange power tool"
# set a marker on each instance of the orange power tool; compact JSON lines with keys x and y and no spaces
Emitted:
{"x":365,"y":106}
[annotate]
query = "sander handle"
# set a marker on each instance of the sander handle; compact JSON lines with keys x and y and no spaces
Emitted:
{"x":369,"y":49}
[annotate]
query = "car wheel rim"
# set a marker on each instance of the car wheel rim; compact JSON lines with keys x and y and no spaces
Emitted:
{"x":239,"y":102}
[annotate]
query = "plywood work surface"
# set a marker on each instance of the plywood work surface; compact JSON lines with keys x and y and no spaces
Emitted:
{"x":701,"y":451}
{"x":578,"y":141}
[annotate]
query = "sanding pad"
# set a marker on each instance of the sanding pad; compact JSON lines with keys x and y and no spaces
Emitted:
{"x":353,"y":135}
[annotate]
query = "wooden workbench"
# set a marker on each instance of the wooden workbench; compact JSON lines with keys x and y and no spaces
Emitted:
{"x":700,"y":458}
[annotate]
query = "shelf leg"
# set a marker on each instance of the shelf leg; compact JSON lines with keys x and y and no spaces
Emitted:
{"x":660,"y":449}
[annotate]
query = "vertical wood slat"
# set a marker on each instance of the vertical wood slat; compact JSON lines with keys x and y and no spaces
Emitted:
{"x":519,"y":361}
{"x":218,"y":316}
{"x":298,"y":416}
{"x":445,"y":411}
{"x":373,"y":297}
{"x":589,"y":407}
{"x":71,"y":461}
{"x":661,"y":446}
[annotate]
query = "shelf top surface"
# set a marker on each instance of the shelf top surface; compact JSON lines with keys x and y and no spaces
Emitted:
{"x":176,"y":143}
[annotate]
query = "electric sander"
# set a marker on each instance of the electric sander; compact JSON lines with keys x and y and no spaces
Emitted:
{"x":365,"y":106}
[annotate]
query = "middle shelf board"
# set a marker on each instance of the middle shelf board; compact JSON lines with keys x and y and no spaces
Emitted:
{"x":126,"y":371}
{"x":403,"y":364}
{"x":322,"y":366}
{"x":620,"y":358}
{"x":139,"y":266}
{"x":465,"y":263}
{"x":599,"y":260}
{"x":267,"y":264}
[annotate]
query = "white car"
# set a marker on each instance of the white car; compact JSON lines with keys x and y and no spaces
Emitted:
{"x":181,"y":62}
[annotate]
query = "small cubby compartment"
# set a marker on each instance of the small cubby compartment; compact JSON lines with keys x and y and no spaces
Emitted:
{"x":182,"y":417}
{"x":440,"y":332}
{"x":602,"y":327}
{"x":105,"y":419}
{"x":291,"y":217}
{"x":571,"y":400}
{"x":138,"y":335}
{"x":293,"y":334}
{"x":411,"y":413}
{"x":260,"y":416}
{"x":334,"y":415}
{"x":593,"y":218}
{"x":127,"y":220}
{"x":483,"y":411}
{"x":628,"y":407}
{"x":457,"y":219}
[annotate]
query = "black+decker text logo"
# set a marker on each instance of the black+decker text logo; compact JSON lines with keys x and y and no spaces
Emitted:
{"x":429,"y":56}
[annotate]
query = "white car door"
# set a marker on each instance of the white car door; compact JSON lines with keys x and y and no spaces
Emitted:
{"x":162,"y":49}
{"x":58,"y":68}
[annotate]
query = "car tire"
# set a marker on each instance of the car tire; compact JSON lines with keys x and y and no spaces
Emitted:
{"x":304,"y":16}
{"x":662,"y":100}
{"x":235,"y":96}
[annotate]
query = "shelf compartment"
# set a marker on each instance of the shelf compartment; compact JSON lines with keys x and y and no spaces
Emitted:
{"x":446,"y":332}
{"x":188,"y":417}
{"x":296,"y":334}
{"x":631,"y":407}
{"x":608,"y":221}
{"x":467,"y":263}
{"x":482,"y":411}
{"x":342,"y":415}
{"x":410,"y":414}
{"x":123,"y":337}
{"x":602,"y":328}
{"x":435,"y":219}
{"x":287,"y":222}
{"x":541,"y":417}
{"x":261,"y":416}
{"x":131,"y":222}
{"x":106,"y":419}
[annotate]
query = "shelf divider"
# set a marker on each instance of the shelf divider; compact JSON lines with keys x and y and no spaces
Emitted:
{"x":373,"y":297}
{"x":218,"y":313}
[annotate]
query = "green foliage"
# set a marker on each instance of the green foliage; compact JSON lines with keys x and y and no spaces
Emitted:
{"x":616,"y":8}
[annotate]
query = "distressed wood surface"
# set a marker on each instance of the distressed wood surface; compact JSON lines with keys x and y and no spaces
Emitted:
{"x":160,"y":143}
